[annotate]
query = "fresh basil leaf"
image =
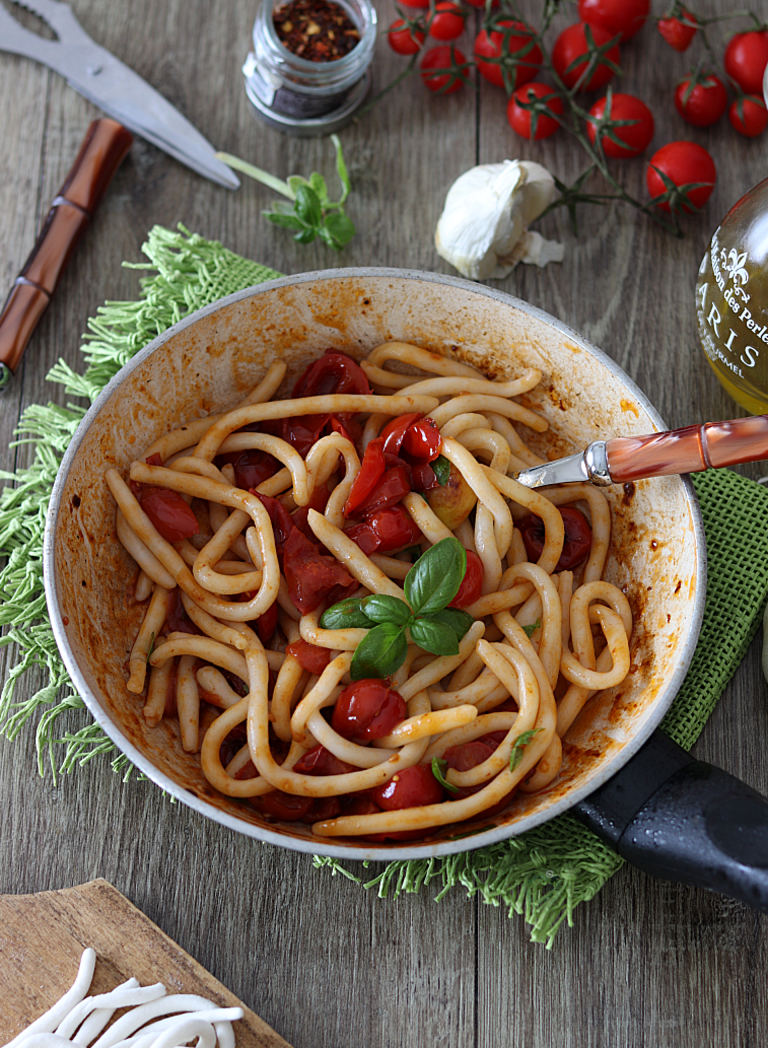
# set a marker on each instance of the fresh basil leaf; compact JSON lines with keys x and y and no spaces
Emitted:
{"x":317,"y":182}
{"x":382,"y":608}
{"x":459,"y":621}
{"x":519,"y":745}
{"x":340,"y":226}
{"x":288,"y":221}
{"x":439,"y":764}
{"x":341,"y":169}
{"x":530,"y":630}
{"x":441,"y":467}
{"x":434,"y":580}
{"x":381,"y":653}
{"x":308,"y":206}
{"x":434,"y":636}
{"x":347,"y":614}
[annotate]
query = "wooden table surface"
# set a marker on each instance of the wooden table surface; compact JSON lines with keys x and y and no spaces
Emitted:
{"x":327,"y":964}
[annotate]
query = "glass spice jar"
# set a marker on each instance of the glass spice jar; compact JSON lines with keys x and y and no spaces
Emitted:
{"x":310,"y":95}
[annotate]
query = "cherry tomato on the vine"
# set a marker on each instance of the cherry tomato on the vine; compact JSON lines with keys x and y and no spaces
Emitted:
{"x":404,"y":39}
{"x":616,"y":16}
{"x":508,"y":48}
{"x":577,"y":542}
{"x":522,"y":120}
{"x":748,"y":116}
{"x":704,"y":103}
{"x":572,"y":45}
{"x":746,"y":57}
{"x":634,"y":136}
{"x":447,"y":22}
{"x":684,"y":164}
{"x":443,"y":69}
{"x":679,"y":31}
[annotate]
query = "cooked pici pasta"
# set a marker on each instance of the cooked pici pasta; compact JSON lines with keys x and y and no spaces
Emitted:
{"x":356,"y":614}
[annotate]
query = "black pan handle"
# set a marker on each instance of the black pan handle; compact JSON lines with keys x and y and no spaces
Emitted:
{"x":684,"y":820}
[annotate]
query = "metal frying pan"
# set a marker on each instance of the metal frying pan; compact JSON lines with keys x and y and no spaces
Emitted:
{"x":207,"y":361}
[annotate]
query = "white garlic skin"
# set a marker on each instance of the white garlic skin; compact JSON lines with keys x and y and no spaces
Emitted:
{"x":482,"y":230}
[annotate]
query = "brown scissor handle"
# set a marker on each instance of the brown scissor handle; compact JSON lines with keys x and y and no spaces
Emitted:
{"x":688,"y":450}
{"x":103,"y":149}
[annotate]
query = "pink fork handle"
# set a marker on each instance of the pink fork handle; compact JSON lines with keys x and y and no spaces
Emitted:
{"x":688,"y":450}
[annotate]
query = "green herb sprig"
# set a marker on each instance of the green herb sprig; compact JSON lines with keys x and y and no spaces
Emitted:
{"x":519,"y":745}
{"x":430,"y":586}
{"x":439,"y":764}
{"x":309,"y":212}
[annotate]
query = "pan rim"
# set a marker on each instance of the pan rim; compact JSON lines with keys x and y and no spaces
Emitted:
{"x":323,"y":846}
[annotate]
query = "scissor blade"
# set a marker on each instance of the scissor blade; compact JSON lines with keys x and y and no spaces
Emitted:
{"x":123,"y":95}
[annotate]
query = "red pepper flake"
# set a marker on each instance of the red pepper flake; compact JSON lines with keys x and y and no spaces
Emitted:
{"x":316,"y":30}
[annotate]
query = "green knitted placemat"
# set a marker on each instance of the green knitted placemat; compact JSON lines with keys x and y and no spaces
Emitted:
{"x":543,"y":874}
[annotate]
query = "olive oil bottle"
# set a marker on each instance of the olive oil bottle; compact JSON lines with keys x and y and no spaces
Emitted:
{"x":732,"y":301}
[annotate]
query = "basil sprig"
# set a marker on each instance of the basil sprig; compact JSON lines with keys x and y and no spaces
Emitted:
{"x":430,"y":586}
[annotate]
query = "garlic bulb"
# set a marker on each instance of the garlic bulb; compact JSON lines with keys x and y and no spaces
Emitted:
{"x":483,"y":228}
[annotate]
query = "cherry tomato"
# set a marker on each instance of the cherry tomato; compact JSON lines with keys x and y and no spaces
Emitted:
{"x":302,"y":432}
{"x":320,"y":761}
{"x":746,"y":57}
{"x":578,"y":537}
{"x":748,"y":116}
{"x":409,"y":788}
{"x":280,"y":518}
{"x":394,"y":432}
{"x":176,"y":616}
{"x":704,"y":103}
{"x":169,"y":513}
{"x":283,"y":806}
{"x":371,"y":471}
{"x":367,"y":709}
{"x":471,"y":588}
{"x":334,"y":372}
{"x":481,"y":4}
{"x":348,"y":427}
{"x":507,"y":55}
{"x":680,"y":31}
{"x":404,"y":39}
{"x":636,"y":136}
{"x":390,"y":489}
{"x":684,"y":164}
{"x":415,"y":3}
{"x":521,"y":119}
{"x":310,"y":574}
{"x":571,"y":46}
{"x":443,"y":69}
{"x":423,"y":477}
{"x":616,"y":16}
{"x":447,"y":22}
{"x":384,"y":531}
{"x":463,"y":758}
{"x":422,"y":440}
{"x":311,"y":657}
{"x":251,"y":467}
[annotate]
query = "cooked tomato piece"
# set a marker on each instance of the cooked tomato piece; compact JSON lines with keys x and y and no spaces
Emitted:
{"x":176,"y":617}
{"x":348,"y":426}
{"x":153,"y":460}
{"x":311,"y":657}
{"x":310,"y":574}
{"x":394,"y":432}
{"x":422,"y":440}
{"x":471,"y":588}
{"x":283,"y":806}
{"x":578,"y":537}
{"x":423,"y":477}
{"x":409,"y":788}
{"x":371,"y":470}
{"x":391,"y":488}
{"x":252,"y":467}
{"x":169,"y":513}
{"x":334,"y":372}
{"x":462,"y":758}
{"x":384,"y":531}
{"x":266,"y":624}
{"x":320,"y":761}
{"x":282,"y":524}
{"x":302,"y":432}
{"x":368,"y":709}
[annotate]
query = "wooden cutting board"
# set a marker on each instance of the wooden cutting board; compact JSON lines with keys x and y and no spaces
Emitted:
{"x":42,"y":937}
